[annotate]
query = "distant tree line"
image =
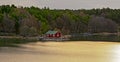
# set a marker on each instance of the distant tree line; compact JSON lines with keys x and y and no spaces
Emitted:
{"x":29,"y":21}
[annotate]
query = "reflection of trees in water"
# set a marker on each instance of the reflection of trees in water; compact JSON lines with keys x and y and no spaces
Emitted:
{"x":96,"y":38}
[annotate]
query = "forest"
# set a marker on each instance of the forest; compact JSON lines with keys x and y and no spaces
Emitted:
{"x":33,"y":21}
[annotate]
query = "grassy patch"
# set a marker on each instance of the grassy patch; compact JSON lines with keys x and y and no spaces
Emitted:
{"x":12,"y":42}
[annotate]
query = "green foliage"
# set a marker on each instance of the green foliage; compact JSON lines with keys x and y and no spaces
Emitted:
{"x":17,"y":25}
{"x":6,"y":9}
{"x":28,"y":31}
{"x":85,"y":19}
{"x":64,"y":20}
{"x":44,"y":28}
{"x":1,"y":18}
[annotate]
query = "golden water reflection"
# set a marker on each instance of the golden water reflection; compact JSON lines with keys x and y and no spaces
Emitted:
{"x":116,"y":53}
{"x":63,"y":52}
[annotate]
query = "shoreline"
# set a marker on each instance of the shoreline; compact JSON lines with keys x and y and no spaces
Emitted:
{"x":14,"y":41}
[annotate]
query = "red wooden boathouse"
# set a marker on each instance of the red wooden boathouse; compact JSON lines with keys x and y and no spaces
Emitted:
{"x":53,"y":34}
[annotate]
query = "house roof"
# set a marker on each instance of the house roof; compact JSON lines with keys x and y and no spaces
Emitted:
{"x":51,"y":32}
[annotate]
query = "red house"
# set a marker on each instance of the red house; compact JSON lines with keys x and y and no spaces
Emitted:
{"x":53,"y":34}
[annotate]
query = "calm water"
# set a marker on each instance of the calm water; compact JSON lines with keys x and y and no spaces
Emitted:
{"x":96,"y":38}
{"x":63,"y":52}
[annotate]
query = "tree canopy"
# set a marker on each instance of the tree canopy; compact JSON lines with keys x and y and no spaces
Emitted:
{"x":40,"y":20}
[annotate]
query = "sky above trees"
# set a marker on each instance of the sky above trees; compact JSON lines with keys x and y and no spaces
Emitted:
{"x":65,"y":4}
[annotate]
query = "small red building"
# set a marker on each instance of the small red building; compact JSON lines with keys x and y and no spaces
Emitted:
{"x":53,"y":34}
